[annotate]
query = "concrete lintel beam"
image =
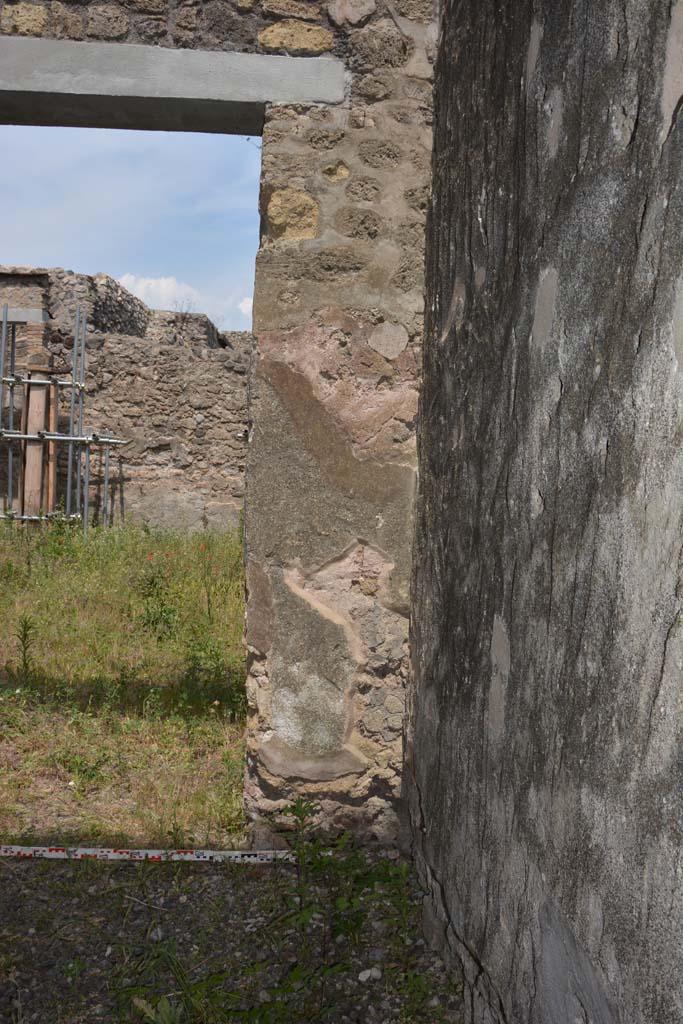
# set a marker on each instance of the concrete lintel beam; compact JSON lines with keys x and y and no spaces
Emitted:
{"x":120,"y":85}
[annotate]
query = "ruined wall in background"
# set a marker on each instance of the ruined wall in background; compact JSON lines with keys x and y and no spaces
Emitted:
{"x":107,"y":305}
{"x":338,"y":318}
{"x":24,"y":288}
{"x":170,"y":383}
{"x":547,"y":723}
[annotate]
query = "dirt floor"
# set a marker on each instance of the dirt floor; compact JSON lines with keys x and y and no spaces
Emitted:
{"x":336,"y":940}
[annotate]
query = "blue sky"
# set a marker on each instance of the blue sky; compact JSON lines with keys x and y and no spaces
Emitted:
{"x":172,"y":215}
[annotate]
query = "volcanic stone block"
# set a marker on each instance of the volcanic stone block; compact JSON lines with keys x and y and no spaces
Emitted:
{"x":151,"y":6}
{"x":380,"y":45}
{"x":66,"y":22}
{"x":106,"y":21}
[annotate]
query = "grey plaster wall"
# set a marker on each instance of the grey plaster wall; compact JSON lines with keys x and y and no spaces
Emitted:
{"x":546,"y":752}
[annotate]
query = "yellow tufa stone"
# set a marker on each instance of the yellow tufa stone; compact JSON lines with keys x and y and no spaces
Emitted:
{"x":296,"y":37}
{"x":24,"y":19}
{"x":336,"y":172}
{"x":292,"y":9}
{"x":292,"y":215}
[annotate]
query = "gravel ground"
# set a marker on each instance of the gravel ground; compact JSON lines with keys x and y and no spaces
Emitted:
{"x":338,"y":941}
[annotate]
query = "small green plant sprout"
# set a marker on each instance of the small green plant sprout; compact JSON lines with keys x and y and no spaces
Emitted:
{"x":177,"y":836}
{"x":25,"y":637}
{"x":74,"y":969}
{"x":159,"y":614}
{"x":208,"y":575}
{"x":152,"y":706}
{"x":83,"y":772}
{"x":303,"y":812}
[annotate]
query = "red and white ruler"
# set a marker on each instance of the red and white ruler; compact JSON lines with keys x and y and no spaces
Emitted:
{"x":157,"y":856}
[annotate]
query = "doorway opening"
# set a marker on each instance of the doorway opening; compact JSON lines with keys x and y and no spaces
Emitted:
{"x":122,"y":666}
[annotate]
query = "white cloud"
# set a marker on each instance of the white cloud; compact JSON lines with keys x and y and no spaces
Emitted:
{"x":219,"y":301}
{"x":180,"y":224}
{"x":163,"y":292}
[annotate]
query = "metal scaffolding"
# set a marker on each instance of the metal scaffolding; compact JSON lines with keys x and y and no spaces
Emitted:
{"x":41,"y":392}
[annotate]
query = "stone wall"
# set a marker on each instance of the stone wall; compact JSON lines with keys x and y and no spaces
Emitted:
{"x":331,"y":468}
{"x":338,"y":318}
{"x":24,"y":288}
{"x":107,"y":306}
{"x":169,"y":383}
{"x":547,"y":722}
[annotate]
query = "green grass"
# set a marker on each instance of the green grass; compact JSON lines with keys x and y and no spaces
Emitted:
{"x":122,"y":676}
{"x":129,"y":618}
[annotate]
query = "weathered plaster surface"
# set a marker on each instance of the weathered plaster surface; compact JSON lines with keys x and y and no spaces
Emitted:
{"x":546,"y":736}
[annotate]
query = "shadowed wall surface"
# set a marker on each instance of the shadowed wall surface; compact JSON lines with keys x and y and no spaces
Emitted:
{"x":547,"y":726}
